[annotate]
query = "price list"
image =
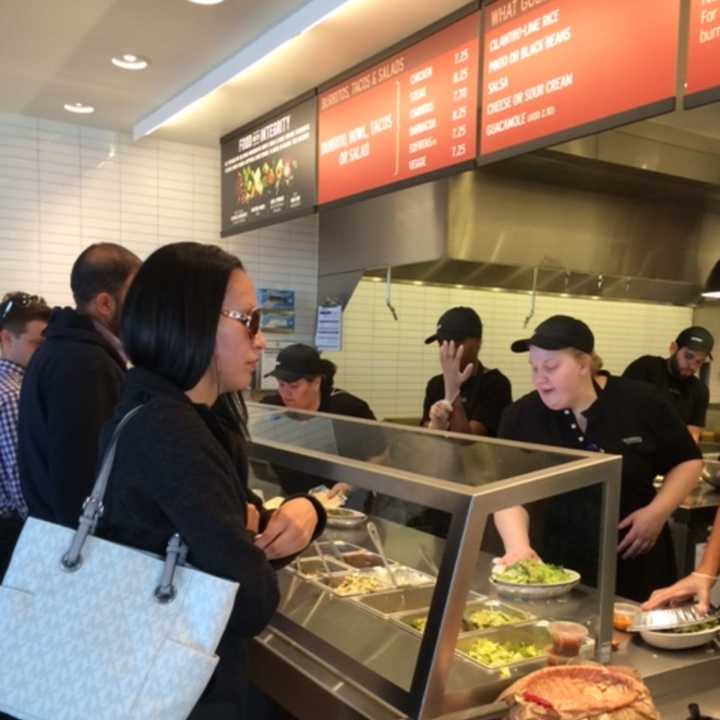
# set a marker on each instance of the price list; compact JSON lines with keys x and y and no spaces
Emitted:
{"x":410,"y":115}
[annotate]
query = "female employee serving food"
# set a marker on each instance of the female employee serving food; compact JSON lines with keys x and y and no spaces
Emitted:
{"x":627,"y":418}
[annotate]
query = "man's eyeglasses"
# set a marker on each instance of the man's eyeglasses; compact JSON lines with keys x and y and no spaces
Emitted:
{"x":12,"y":300}
{"x":251,"y":321}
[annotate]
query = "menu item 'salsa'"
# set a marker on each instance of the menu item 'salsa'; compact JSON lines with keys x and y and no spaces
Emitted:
{"x":534,"y":572}
{"x":496,"y":654}
{"x":580,"y":692}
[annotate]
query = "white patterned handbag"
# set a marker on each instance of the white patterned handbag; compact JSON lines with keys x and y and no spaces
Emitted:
{"x":92,"y":629}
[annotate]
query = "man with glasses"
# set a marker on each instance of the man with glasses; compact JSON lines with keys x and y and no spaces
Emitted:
{"x":676,"y":377}
{"x":72,"y":386}
{"x":23,"y":318}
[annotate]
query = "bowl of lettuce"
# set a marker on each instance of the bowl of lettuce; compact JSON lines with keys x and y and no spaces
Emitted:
{"x":683,"y":638}
{"x":533,"y":579}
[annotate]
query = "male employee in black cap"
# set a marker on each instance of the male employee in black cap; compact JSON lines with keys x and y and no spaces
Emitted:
{"x":676,"y":377}
{"x":467,"y":397}
{"x":628,"y":418}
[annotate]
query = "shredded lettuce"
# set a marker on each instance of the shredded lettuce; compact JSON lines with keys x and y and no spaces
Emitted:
{"x":534,"y":572}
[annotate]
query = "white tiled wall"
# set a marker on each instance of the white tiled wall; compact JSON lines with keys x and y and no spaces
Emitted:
{"x":388,"y":365}
{"x":64,"y":186}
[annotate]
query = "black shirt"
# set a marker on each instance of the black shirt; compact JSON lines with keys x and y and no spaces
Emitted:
{"x":628,"y":419}
{"x":689,"y":395}
{"x":359,"y":442}
{"x":484,"y":396}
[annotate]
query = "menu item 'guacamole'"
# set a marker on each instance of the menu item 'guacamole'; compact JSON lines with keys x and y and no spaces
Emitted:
{"x":534,"y":572}
{"x":496,"y":654}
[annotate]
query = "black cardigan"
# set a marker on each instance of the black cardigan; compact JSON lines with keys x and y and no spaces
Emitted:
{"x":71,"y":386}
{"x":178,"y":468}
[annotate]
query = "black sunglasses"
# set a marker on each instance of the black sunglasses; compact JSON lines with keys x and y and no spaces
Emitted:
{"x":12,"y":300}
{"x":251,"y":321}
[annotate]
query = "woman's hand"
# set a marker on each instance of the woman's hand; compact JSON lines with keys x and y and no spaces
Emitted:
{"x":450,"y":359}
{"x":289,"y":529}
{"x":252,"y":518}
{"x":694,"y":585}
{"x":516,"y":554}
{"x":643,"y":528}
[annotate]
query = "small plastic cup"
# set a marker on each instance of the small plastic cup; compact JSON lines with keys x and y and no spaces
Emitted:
{"x":567,"y":638}
{"x":623,"y":614}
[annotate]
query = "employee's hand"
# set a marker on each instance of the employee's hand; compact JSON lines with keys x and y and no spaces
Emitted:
{"x":513,"y":555}
{"x":643,"y":528}
{"x":694,"y":585}
{"x":340,"y":488}
{"x":450,"y":359}
{"x":289,"y":529}
{"x":440,"y":413}
{"x":252,"y":518}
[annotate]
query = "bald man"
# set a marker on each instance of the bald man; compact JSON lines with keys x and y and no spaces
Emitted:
{"x":72,"y":385}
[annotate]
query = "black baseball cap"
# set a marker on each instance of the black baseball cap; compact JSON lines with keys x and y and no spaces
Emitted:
{"x":457,"y":324}
{"x":295,"y":362}
{"x":556,"y":333}
{"x":696,"y":338}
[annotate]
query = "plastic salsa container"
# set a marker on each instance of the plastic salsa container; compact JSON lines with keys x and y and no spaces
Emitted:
{"x":623,"y":614}
{"x":567,"y":638}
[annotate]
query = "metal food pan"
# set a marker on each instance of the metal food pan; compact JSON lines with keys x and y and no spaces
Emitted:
{"x":404,"y":576}
{"x":326,"y":549}
{"x":398,"y":601}
{"x":314,"y":567}
{"x":519,"y":616}
{"x":335,"y":580}
{"x":536,"y":634}
{"x":362,"y":559}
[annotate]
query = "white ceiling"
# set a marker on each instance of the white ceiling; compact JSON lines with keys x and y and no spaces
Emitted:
{"x":54,"y":52}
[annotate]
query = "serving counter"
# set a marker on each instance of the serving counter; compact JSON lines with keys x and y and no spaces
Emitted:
{"x":430,"y":494}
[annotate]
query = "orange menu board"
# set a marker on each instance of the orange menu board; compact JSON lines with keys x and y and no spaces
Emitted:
{"x":403,"y":118}
{"x":702,"y":78}
{"x":554,"y":70}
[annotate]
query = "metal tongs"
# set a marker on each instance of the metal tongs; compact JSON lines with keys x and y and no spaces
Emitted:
{"x":671,"y":618}
{"x":377,"y":542}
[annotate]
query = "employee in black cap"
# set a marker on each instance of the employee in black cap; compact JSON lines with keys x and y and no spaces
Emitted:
{"x":467,"y":397}
{"x":676,"y":377}
{"x":628,"y":418}
{"x":306,"y":382}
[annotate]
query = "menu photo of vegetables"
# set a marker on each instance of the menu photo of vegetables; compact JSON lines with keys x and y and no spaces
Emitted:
{"x":269,"y":170}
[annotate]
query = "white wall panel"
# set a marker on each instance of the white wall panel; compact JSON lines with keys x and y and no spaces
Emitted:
{"x":64,"y":186}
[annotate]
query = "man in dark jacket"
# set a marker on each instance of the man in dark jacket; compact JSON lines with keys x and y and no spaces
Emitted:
{"x":72,"y":386}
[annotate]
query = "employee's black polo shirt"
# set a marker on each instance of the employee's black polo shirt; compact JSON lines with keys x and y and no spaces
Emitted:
{"x":689,"y":395}
{"x":484,"y":396}
{"x":629,"y":419}
{"x":359,"y":442}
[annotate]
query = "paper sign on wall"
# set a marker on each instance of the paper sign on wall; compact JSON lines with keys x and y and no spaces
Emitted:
{"x":329,"y":328}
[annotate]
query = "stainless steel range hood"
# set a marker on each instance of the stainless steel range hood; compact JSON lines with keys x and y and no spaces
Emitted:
{"x":631,"y":214}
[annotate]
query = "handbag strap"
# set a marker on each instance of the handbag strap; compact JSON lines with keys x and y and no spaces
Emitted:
{"x":93,"y":509}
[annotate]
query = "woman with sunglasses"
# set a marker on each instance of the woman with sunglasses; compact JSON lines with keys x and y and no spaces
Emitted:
{"x":625,"y":417}
{"x":190,"y":329}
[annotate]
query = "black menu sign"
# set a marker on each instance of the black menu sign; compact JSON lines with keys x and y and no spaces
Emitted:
{"x":268,"y":170}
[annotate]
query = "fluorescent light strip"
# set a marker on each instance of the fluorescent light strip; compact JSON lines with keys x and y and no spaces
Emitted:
{"x":259,"y":50}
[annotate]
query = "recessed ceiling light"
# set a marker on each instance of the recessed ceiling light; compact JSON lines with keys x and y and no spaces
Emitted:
{"x":206,"y":2}
{"x":128,"y":61}
{"x":79,"y":108}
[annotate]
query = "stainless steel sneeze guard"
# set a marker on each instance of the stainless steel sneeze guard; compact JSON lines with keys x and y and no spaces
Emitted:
{"x":363,"y":639}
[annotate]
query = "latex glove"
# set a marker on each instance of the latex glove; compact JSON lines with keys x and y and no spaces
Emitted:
{"x":450,"y":359}
{"x":644,"y":526}
{"x":440,"y":413}
{"x":252,"y":518}
{"x":694,"y":585}
{"x":340,"y":488}
{"x":289,"y":529}
{"x":513,"y":555}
